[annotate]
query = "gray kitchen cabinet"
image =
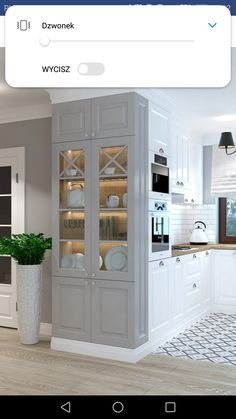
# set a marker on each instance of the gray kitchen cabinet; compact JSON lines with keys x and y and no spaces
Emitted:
{"x":113,"y":116}
{"x":71,"y":121}
{"x":102,"y":117}
{"x":99,"y":203}
{"x":112,"y":313}
{"x":71,"y":304}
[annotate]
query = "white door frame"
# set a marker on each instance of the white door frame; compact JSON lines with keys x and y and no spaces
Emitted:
{"x":14,"y":157}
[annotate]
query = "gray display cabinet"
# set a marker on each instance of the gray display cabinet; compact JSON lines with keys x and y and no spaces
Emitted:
{"x":102,"y":117}
{"x":99,"y":233}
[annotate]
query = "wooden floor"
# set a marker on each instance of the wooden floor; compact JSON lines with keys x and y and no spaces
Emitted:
{"x":35,"y":369}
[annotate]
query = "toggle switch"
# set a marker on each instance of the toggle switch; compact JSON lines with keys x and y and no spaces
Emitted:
{"x":91,"y":69}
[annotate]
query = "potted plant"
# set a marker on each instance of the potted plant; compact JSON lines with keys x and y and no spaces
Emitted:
{"x":28,"y":251}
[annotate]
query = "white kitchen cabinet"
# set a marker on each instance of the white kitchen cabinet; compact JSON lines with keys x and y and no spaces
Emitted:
{"x":159,"y":299}
{"x":224,"y":281}
{"x":177,"y":291}
{"x":192,"y":285}
{"x":180,"y":166}
{"x":159,"y":133}
{"x":206,"y":275}
{"x":194,"y":195}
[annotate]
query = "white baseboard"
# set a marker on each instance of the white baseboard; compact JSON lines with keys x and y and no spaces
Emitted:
{"x":45,"y":329}
{"x":100,"y":351}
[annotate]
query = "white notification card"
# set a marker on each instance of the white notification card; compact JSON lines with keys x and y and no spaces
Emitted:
{"x":118,"y":46}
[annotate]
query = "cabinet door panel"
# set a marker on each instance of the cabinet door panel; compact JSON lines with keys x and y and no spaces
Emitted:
{"x":158,"y":130}
{"x":177,"y":292}
{"x":112,"y":312}
{"x":159,"y":298}
{"x":71,"y":308}
{"x":113,"y":200}
{"x":71,"y":121}
{"x":72,"y":209}
{"x":113,"y":116}
{"x":225,"y":283}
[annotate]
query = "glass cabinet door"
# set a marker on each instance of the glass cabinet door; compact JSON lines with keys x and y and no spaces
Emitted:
{"x":111,"y":246}
{"x":5,"y":221}
{"x":72,"y":240}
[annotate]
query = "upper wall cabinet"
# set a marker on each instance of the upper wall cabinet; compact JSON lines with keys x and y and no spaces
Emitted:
{"x":159,"y":135}
{"x":180,"y":166}
{"x":102,"y":117}
{"x":71,"y":121}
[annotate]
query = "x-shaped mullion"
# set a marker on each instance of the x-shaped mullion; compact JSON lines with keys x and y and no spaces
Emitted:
{"x":113,"y":159}
{"x":71,"y":163}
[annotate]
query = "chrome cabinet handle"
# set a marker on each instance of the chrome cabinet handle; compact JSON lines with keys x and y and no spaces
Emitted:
{"x":178,"y":183}
{"x":192,"y":200}
{"x":161,"y":150}
{"x":182,"y":183}
{"x":194,"y":256}
{"x":93,"y":134}
{"x":93,"y":275}
{"x":177,"y":260}
{"x":161,"y":263}
{"x":194,"y":285}
{"x":93,"y":283}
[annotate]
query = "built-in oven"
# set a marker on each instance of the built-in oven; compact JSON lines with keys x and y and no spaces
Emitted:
{"x":159,"y":174}
{"x":159,"y":229}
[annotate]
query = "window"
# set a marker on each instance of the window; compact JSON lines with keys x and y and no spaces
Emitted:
{"x":227,"y":220}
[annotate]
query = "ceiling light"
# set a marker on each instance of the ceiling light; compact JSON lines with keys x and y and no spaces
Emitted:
{"x":226,"y":141}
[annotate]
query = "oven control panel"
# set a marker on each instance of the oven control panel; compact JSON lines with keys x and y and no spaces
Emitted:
{"x":159,"y":205}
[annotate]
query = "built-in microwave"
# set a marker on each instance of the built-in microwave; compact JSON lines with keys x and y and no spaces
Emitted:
{"x":159,"y":174}
{"x":159,"y":230}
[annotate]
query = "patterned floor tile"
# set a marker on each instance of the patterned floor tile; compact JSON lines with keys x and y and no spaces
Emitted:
{"x":211,"y":339}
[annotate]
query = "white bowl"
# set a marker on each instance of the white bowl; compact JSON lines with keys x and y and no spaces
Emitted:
{"x":109,"y":171}
{"x":71,"y":172}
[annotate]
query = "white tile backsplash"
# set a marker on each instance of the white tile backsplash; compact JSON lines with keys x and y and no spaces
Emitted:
{"x":183,"y":218}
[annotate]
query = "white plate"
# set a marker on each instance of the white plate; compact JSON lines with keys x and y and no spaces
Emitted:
{"x":68,"y":261}
{"x":116,"y":259}
{"x":76,"y":261}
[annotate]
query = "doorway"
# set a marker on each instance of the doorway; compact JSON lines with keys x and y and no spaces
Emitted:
{"x":12,"y":221}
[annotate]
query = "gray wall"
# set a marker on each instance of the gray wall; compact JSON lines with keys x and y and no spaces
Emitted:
{"x":35,"y":135}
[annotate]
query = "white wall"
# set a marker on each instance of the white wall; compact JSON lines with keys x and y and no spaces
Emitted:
{"x":183,"y":218}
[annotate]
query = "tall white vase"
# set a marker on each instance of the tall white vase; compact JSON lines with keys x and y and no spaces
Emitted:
{"x":29,"y":298}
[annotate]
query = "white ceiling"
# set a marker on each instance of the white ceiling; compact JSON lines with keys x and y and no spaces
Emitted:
{"x":201,"y":107}
{"x":18,"y":104}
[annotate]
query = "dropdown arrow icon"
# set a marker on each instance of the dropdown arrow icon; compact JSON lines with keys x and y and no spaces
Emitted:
{"x":212,"y":25}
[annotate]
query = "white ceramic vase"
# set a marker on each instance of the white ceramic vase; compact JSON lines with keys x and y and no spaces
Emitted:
{"x":29,"y":298}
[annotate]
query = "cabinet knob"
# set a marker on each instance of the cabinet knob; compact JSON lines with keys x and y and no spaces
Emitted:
{"x":192,"y":200}
{"x":194,"y":256}
{"x":161,"y":263}
{"x":178,"y":183}
{"x":186,"y":200}
{"x":93,"y":283}
{"x":93,"y":275}
{"x":161,"y":150}
{"x":93,"y":134}
{"x":177,"y":260}
{"x":182,"y":183}
{"x":194,"y":285}
{"x":207,"y":253}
